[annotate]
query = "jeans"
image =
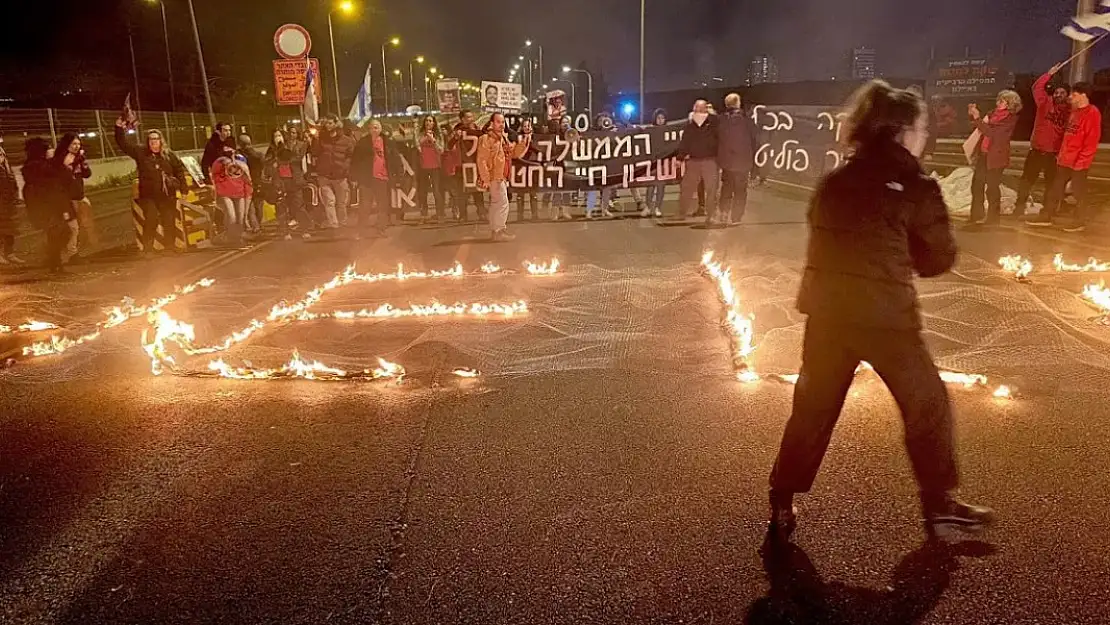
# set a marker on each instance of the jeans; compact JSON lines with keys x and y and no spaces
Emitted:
{"x":655,"y":197}
{"x":1035,"y":162}
{"x":335,"y":195}
{"x":699,"y":171}
{"x":830,"y":354}
{"x":533,"y":204}
{"x":1052,"y":200}
{"x":986,"y":182}
{"x":254,"y":218}
{"x":235,"y":215}
{"x":498,"y":205}
{"x":592,"y":196}
{"x":734,"y":194}
{"x":428,"y":181}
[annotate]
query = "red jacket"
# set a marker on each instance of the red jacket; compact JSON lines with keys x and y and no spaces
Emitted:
{"x":996,"y":137}
{"x":1052,"y":119}
{"x":1081,"y":138}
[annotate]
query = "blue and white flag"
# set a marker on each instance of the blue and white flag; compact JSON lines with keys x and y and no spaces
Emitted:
{"x":1089,"y":26}
{"x":310,"y":110}
{"x":360,"y":109}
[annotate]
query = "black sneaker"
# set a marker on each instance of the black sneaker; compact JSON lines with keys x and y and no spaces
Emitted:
{"x":948,"y":516}
{"x":784,"y":516}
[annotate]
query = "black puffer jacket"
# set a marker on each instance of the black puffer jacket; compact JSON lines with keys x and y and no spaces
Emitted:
{"x":737,"y":142}
{"x":874,"y":223}
{"x":161,"y":174}
{"x":700,"y":142}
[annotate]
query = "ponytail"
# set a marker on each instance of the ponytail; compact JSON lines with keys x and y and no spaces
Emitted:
{"x":878,"y":113}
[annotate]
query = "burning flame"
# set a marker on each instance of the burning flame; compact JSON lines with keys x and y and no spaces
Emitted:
{"x":1019,"y":266}
{"x":740,"y":326}
{"x":1092,"y":265}
{"x":466,"y":373}
{"x":1098,"y":295}
{"x":113,"y":317}
{"x":543,"y":269}
{"x":434,"y":309}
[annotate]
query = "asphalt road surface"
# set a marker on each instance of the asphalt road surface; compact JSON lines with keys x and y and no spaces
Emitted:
{"x":606,"y":467}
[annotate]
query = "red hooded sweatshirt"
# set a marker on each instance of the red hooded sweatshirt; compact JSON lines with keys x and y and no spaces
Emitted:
{"x":1051,"y":121}
{"x":1081,"y":138}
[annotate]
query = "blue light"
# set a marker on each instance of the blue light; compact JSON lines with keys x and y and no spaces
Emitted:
{"x":628,"y":109}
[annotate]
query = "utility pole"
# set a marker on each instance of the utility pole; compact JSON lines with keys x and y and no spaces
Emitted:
{"x":203,"y":71}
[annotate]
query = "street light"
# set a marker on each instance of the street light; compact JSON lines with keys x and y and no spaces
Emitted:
{"x":573,"y":104}
{"x":589,"y":84}
{"x":346,"y":6}
{"x":169,"y":63}
{"x":203,"y":71}
{"x":263,"y":92}
{"x":395,"y":41}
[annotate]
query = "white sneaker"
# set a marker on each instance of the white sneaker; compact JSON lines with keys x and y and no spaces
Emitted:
{"x":589,"y":214}
{"x":306,"y":236}
{"x":646,"y":212}
{"x":605,"y":213}
{"x":288,"y":237}
{"x":658,"y":213}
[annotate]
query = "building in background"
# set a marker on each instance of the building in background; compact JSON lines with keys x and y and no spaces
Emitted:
{"x":762,"y":69}
{"x":863,"y":63}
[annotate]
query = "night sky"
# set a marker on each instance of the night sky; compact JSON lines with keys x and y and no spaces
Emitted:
{"x":49,"y":42}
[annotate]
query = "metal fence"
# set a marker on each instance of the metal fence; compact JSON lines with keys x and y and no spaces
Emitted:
{"x":183,"y":131}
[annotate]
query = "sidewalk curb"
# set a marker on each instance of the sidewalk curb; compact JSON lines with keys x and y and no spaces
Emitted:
{"x":190,"y":275}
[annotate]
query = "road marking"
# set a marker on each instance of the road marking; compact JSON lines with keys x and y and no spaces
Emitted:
{"x":1032,"y":233}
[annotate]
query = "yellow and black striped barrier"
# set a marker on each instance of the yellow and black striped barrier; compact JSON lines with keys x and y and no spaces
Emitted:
{"x":192,"y":224}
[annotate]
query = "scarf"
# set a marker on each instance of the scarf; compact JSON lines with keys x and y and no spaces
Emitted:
{"x":997,"y":115}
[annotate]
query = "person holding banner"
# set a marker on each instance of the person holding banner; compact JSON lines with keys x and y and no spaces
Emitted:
{"x":495,"y":157}
{"x":457,"y":142}
{"x":992,"y":156}
{"x":653,"y":202}
{"x":526,"y":131}
{"x":873,"y":224}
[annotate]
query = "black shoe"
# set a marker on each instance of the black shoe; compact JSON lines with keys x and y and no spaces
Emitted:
{"x":784,"y":516}
{"x":948,"y":516}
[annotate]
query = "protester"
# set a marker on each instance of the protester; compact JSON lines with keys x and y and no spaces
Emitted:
{"x":254,"y":165}
{"x":297,"y":142}
{"x":161,"y":176}
{"x":429,"y":168}
{"x":737,"y":145}
{"x":698,"y":148}
{"x":373,"y":162}
{"x":992,"y":156}
{"x":653,"y":202}
{"x":9,"y":215}
{"x":234,"y":190}
{"x":874,"y":223}
{"x":526,"y":131}
{"x":1077,"y":152}
{"x":557,"y":203}
{"x":495,"y":155}
{"x":219,"y":144}
{"x":331,"y":153}
{"x":283,"y":182}
{"x":70,"y":157}
{"x":1048,"y":134}
{"x":46,"y":192}
{"x":466,"y":126}
{"x":602,"y":123}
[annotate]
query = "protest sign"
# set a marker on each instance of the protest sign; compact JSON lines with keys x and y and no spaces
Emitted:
{"x":450,"y":99}
{"x":501,"y":97}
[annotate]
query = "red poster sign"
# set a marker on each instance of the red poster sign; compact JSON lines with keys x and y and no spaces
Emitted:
{"x":289,"y":80}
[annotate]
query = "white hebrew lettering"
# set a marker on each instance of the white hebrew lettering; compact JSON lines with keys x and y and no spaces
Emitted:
{"x":561,"y":149}
{"x":558,"y":173}
{"x":582,"y":149}
{"x":837,"y":159}
{"x":764,"y":152}
{"x":645,"y":138}
{"x":472,"y":144}
{"x":544,"y":147}
{"x":599,"y":170}
{"x":603,"y":149}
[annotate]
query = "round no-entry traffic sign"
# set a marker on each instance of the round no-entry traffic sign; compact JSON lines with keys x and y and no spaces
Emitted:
{"x":292,"y":41}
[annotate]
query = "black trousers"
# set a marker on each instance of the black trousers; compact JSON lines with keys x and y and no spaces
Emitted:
{"x":533,"y":205}
{"x":830,"y":355}
{"x":429,"y":181}
{"x":734,"y":194}
{"x":57,"y":239}
{"x":986,"y":182}
{"x":1035,"y":163}
{"x":1055,"y":195}
{"x":290,"y":204}
{"x":161,"y":210}
{"x":373,"y":204}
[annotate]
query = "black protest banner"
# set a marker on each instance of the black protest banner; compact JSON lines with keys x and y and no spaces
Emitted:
{"x":798,"y":144}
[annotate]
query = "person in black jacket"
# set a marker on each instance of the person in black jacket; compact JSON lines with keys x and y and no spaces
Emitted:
{"x":70,"y":156}
{"x":736,"y":147}
{"x":46,"y":189}
{"x":161,"y":176}
{"x":373,"y":163}
{"x":874,"y":223}
{"x":219,"y":144}
{"x":9,"y":216}
{"x":699,"y":148}
{"x":254,"y":165}
{"x":283,"y":182}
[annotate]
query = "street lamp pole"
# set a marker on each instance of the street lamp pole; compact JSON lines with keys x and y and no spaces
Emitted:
{"x":169,"y":62}
{"x":412,"y":89}
{"x":589,"y":85}
{"x":643,"y":5}
{"x":203,"y":71}
{"x":334,"y":63}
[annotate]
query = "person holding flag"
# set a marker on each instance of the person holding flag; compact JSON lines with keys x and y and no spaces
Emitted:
{"x":1048,"y":134}
{"x":1077,"y":153}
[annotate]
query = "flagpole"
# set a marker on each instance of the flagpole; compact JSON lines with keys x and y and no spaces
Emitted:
{"x":1086,"y":46}
{"x":1080,"y":69}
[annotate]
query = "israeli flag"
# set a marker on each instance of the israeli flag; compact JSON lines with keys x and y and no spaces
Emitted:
{"x":1089,"y":26}
{"x":360,"y":109}
{"x":310,"y":110}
